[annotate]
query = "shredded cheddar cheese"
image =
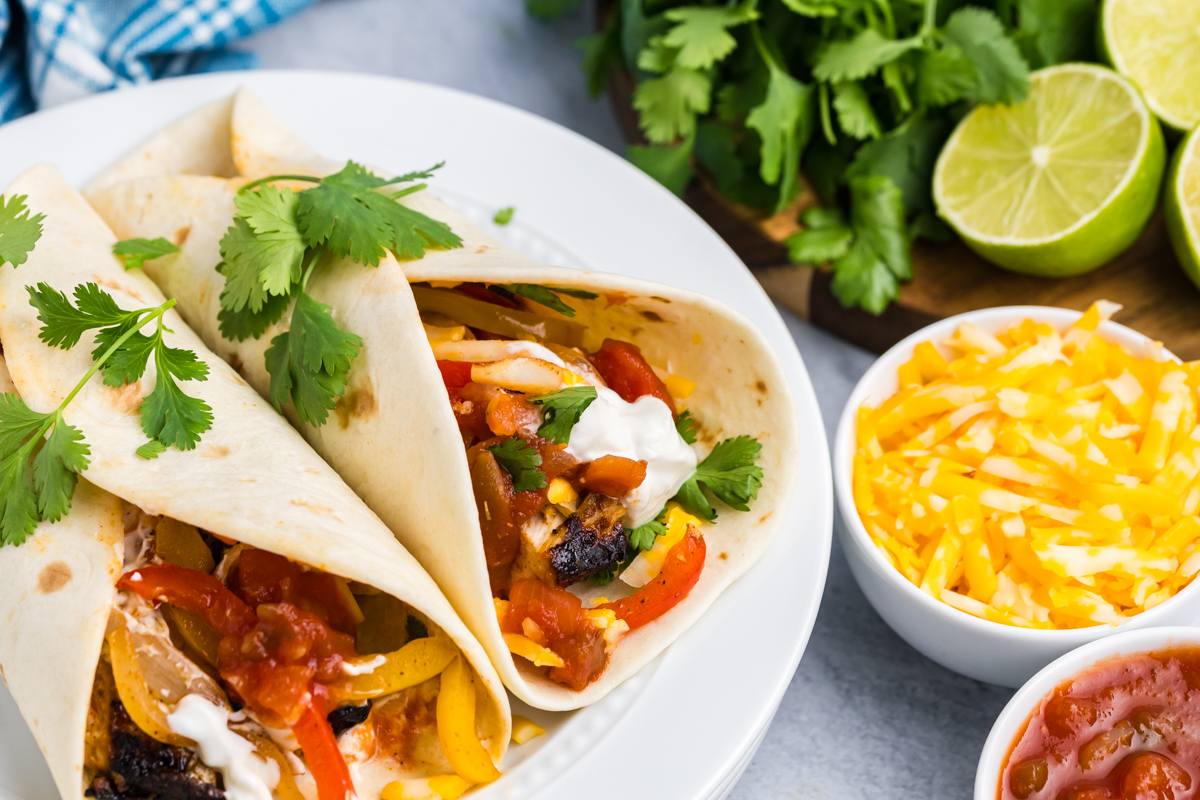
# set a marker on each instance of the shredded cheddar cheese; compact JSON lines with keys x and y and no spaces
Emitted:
{"x":1039,"y":478}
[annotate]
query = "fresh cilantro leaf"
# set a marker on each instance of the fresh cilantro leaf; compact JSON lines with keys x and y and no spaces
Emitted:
{"x":309,"y":363}
{"x":136,"y":252}
{"x":582,"y":294}
{"x":926,"y":225}
{"x":784,"y":121}
{"x":819,"y":244}
{"x":241,"y":253}
{"x":701,"y":35}
{"x":944,"y":76}
{"x":63,"y":324}
{"x":668,"y":105}
{"x":56,"y":469}
{"x":1056,"y":31}
{"x":246,"y":324}
{"x":642,"y":537}
{"x":1002,"y":76}
{"x":274,"y":251}
{"x":504,"y":216}
{"x":520,"y":461}
{"x":657,"y":56}
{"x":854,"y":112}
{"x":128,"y":362}
{"x":415,"y":628}
{"x":151,"y":449}
{"x":686,"y":426}
{"x":907,"y":155}
{"x":600,"y":52}
{"x":169,"y":415}
{"x":563,"y":409}
{"x":729,"y":473}
{"x":541,"y":295}
{"x":40,"y":488}
{"x":861,"y":56}
{"x":868,"y":274}
{"x":670,"y":165}
{"x":549,"y":10}
{"x":345,"y":213}
{"x":19,"y":231}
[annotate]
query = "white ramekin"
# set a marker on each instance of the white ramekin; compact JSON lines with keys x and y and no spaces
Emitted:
{"x":1012,"y":719}
{"x":986,"y":651}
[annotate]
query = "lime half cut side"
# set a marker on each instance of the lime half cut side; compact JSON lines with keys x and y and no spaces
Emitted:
{"x":1156,"y":44}
{"x":1182,"y":205}
{"x":1060,"y":183}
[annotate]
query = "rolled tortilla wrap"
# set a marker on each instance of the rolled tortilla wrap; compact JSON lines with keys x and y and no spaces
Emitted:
{"x":394,"y":423}
{"x":252,"y":480}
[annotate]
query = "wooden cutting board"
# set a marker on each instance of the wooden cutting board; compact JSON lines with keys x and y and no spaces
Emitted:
{"x":1157,"y":298}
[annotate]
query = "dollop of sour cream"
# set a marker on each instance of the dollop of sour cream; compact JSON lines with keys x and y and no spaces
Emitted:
{"x":247,"y":775}
{"x":643,"y":430}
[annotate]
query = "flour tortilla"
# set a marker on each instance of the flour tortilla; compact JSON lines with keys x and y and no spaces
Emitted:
{"x":394,"y":437}
{"x":252,"y":478}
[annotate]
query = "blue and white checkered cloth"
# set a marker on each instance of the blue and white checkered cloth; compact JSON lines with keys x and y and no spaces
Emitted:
{"x":53,"y":51}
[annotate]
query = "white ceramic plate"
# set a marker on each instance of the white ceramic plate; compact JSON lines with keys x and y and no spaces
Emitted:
{"x":686,"y":726}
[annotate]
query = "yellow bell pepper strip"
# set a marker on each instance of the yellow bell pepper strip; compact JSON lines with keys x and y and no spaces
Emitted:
{"x":525,"y":647}
{"x":456,"y":725}
{"x":287,"y":789}
{"x":146,"y":710}
{"x":415,"y":663}
{"x":524,"y":729}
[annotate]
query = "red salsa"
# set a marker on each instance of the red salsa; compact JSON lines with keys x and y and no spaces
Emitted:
{"x":1125,"y":729}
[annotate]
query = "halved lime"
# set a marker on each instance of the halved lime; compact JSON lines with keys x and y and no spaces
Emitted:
{"x":1182,"y":205}
{"x":1156,"y":44}
{"x":1060,"y":183}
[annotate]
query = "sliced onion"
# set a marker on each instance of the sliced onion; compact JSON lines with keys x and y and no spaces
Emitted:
{"x":497,"y":319}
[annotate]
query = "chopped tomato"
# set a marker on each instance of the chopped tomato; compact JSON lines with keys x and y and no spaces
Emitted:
{"x":509,"y":413}
{"x":470,"y":404}
{"x":455,"y":374}
{"x":567,"y":631}
{"x":322,"y":756}
{"x":556,"y":461}
{"x":273,"y":665}
{"x":626,"y":372}
{"x":612,"y":475}
{"x":681,"y":569}
{"x":194,"y":591}
{"x":264,"y":577}
{"x":480,"y":291}
{"x":494,"y":499}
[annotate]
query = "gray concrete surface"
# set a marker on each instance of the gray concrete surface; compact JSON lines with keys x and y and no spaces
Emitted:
{"x":866,"y":715}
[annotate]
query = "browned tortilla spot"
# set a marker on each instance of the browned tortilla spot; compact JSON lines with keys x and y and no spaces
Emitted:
{"x":215,"y":451}
{"x":483,"y":248}
{"x":118,"y":286}
{"x":724,"y":556}
{"x":765,"y":517}
{"x":357,"y":403}
{"x":181,"y":236}
{"x":316,"y":508}
{"x":55,"y":576}
{"x":651,"y":315}
{"x":659,"y":299}
{"x":128,"y":398}
{"x":762,"y":387}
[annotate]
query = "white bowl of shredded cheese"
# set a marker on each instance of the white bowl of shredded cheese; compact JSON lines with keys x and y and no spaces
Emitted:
{"x":1008,"y":638}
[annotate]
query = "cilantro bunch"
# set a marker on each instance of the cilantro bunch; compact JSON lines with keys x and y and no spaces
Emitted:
{"x":857,"y":96}
{"x":279,"y":237}
{"x":41,"y":456}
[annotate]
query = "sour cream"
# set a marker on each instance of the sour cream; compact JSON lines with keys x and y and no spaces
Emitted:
{"x":643,"y":430}
{"x":247,"y":775}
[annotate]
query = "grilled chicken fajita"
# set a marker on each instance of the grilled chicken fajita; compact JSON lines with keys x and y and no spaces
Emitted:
{"x":216,"y":615}
{"x":583,"y":461}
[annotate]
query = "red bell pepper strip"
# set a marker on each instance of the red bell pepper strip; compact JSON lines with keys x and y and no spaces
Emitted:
{"x":681,"y":569}
{"x":193,"y":591}
{"x":322,"y":756}
{"x":455,"y":374}
{"x":626,"y":372}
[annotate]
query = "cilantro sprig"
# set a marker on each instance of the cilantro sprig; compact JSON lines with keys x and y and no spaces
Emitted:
{"x":41,"y":455}
{"x":729,"y":473}
{"x":522,"y":462}
{"x":685,"y":424}
{"x":280,"y":237}
{"x":562,"y":409}
{"x":749,"y":94}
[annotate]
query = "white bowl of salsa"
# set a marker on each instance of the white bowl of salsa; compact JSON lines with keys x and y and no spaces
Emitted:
{"x":1115,"y":719}
{"x":978,"y":648}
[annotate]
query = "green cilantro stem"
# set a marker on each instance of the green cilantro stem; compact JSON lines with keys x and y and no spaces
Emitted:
{"x":274,"y":178}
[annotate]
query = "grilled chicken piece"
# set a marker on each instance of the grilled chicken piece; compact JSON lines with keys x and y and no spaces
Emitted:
{"x":140,"y":767}
{"x":561,"y":553}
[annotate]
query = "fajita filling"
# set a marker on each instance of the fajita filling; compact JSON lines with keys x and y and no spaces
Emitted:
{"x":232,"y":672}
{"x":582,"y":468}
